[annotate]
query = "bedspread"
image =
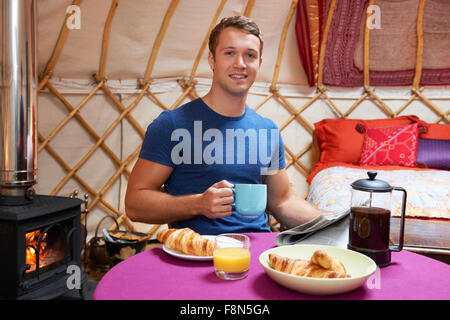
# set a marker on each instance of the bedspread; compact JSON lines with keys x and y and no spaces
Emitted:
{"x":428,"y":191}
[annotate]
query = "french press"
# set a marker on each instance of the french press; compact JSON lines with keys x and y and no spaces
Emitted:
{"x":370,"y":215}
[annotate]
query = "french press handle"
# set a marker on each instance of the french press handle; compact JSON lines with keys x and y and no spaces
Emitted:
{"x":399,"y":246}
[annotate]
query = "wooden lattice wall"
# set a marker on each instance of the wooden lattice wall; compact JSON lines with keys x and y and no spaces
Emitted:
{"x":297,"y":157}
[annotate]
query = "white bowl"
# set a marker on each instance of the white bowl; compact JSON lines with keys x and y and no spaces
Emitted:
{"x":358,"y":266}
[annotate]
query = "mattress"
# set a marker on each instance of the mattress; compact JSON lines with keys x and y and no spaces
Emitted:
{"x":428,"y":190}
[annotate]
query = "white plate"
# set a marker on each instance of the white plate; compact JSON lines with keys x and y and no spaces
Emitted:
{"x":358,"y":266}
{"x":188,"y":256}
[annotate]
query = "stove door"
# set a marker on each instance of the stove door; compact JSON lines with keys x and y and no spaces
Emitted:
{"x":45,"y":249}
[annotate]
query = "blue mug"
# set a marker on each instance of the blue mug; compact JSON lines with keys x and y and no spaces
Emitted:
{"x":250,"y":200}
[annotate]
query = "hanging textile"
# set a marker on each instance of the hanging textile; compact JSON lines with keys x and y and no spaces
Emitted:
{"x":393,"y":42}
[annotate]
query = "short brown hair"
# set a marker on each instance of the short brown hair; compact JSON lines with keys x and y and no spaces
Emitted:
{"x":239,"y":22}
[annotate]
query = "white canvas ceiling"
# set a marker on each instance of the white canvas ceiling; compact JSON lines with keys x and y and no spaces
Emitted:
{"x":135,"y":27}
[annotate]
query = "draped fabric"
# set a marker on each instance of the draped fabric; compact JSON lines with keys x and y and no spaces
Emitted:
{"x":392,"y":45}
{"x":308,"y":29}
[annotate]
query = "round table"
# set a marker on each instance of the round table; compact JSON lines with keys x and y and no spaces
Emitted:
{"x":156,"y":275}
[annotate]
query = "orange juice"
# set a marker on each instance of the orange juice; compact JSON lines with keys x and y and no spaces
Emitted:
{"x":231,"y":260}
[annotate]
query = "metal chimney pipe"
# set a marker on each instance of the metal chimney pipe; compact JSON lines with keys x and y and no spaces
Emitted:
{"x":18,"y":91}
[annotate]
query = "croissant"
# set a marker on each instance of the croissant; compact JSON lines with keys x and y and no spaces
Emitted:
{"x":186,"y":241}
{"x":304,"y":268}
{"x":323,"y":259}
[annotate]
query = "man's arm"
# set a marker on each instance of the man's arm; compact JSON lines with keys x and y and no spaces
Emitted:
{"x":145,"y":202}
{"x":286,"y":207}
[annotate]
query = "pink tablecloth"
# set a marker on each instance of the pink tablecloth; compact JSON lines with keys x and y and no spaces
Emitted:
{"x":155,"y":275}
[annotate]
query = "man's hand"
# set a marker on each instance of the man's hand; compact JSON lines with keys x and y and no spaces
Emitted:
{"x":145,"y":202}
{"x":216,"y":200}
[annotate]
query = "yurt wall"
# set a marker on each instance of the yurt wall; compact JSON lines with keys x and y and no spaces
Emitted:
{"x":107,"y":75}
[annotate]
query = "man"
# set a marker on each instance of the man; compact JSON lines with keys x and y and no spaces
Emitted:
{"x":200,"y":150}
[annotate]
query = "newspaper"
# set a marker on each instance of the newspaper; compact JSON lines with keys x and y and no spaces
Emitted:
{"x":327,"y":229}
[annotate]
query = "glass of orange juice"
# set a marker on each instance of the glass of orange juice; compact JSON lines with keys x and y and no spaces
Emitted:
{"x":231,"y":256}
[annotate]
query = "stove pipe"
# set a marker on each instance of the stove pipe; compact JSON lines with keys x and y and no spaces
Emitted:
{"x":18,"y":92}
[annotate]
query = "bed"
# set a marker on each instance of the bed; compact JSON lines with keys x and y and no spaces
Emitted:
{"x":338,"y":149}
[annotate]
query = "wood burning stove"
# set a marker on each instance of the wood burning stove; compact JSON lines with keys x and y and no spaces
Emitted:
{"x":39,"y":242}
{"x":39,"y":235}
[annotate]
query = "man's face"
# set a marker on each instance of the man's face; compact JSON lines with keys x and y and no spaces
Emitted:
{"x":236,"y":62}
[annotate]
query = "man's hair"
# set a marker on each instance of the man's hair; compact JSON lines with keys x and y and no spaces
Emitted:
{"x":239,"y":22}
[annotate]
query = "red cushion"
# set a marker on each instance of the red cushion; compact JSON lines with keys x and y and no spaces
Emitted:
{"x":339,"y":141}
{"x":391,"y":146}
{"x":436,"y":131}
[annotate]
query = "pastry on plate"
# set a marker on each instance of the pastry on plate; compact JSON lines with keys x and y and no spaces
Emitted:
{"x":186,"y":241}
{"x":321,"y":265}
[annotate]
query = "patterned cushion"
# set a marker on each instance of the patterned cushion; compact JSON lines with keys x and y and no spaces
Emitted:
{"x":390,"y":146}
{"x":340,"y":141}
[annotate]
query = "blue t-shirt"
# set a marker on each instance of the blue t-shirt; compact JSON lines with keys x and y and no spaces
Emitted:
{"x":205,"y":147}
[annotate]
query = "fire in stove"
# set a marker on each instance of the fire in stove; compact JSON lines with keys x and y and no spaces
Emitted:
{"x":42,"y":250}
